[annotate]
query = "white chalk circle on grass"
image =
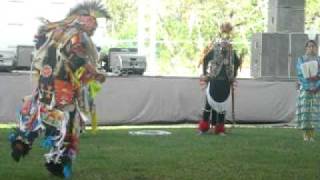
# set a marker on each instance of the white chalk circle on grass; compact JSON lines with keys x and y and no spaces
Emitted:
{"x":149,"y":133}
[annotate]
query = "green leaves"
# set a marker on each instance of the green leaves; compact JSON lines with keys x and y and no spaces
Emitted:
{"x":185,"y":27}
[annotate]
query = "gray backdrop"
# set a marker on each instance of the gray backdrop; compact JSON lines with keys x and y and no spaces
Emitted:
{"x":141,"y":99}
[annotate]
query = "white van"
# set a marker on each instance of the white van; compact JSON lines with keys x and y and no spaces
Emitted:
{"x":122,"y":61}
{"x":8,"y":60}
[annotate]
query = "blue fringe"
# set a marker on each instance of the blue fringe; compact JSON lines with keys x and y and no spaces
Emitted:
{"x":67,"y":170}
{"x":48,"y":142}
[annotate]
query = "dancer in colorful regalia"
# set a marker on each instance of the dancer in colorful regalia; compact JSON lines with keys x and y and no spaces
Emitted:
{"x":220,"y":64}
{"x":65,"y":58}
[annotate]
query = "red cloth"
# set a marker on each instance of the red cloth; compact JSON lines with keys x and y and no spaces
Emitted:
{"x":203,"y":125}
{"x":64,"y":92}
{"x":219,"y":128}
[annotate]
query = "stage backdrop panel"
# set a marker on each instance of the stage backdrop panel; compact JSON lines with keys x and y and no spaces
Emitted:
{"x":141,"y":99}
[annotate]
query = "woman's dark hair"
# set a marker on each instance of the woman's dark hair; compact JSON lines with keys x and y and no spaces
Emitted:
{"x":311,"y":41}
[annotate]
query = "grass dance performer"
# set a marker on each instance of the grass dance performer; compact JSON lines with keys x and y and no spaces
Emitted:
{"x":220,"y":64}
{"x":65,"y":58}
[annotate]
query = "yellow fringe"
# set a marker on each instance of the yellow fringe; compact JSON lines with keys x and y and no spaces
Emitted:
{"x":94,"y":122}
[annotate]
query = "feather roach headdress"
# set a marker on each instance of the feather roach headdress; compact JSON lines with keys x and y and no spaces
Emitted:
{"x":91,"y":8}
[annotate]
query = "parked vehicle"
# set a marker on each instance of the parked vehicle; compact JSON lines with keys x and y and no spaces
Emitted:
{"x":8,"y":60}
{"x":122,"y":61}
{"x":24,"y":57}
{"x":16,"y":58}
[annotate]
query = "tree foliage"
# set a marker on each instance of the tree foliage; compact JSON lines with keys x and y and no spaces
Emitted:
{"x":312,"y":15}
{"x":185,"y":27}
{"x":123,"y":24}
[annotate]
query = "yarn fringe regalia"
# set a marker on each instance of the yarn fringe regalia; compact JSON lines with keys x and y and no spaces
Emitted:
{"x":65,"y":58}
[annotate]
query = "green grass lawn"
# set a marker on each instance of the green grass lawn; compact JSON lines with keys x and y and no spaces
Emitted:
{"x":246,"y":153}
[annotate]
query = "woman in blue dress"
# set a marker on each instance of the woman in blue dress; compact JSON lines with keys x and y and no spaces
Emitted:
{"x":308,"y":103}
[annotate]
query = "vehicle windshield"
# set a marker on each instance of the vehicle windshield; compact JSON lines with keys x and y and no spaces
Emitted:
{"x":7,"y":54}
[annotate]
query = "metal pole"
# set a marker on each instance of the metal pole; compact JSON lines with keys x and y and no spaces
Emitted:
{"x":231,"y":55}
{"x":233,"y":110}
{"x":290,"y":56}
